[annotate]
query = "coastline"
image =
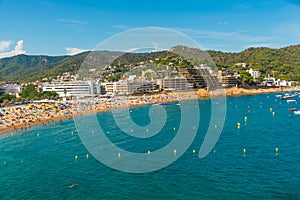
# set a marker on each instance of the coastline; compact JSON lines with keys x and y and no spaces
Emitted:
{"x":158,"y":98}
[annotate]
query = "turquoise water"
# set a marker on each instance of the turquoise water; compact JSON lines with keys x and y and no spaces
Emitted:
{"x":40,"y":163}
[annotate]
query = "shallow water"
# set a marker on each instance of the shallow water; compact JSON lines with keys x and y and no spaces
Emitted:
{"x":40,"y":164}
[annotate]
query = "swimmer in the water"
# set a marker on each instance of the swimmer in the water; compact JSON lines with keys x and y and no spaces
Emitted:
{"x":73,"y":185}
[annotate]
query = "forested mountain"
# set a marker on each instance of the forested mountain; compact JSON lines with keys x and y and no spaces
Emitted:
{"x":282,"y":63}
{"x":31,"y":68}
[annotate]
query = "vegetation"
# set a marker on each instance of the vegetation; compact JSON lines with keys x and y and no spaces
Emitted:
{"x":282,"y":63}
{"x":29,"y":93}
{"x":5,"y":98}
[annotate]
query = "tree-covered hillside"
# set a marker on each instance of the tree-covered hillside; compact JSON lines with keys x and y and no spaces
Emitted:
{"x":282,"y":63}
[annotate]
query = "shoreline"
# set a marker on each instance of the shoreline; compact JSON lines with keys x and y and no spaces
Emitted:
{"x":160,"y":98}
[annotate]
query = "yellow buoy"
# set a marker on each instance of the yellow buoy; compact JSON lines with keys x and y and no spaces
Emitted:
{"x":76,"y":157}
{"x":87,"y":156}
{"x":194,"y":151}
{"x":119,"y":155}
{"x":271,"y":109}
{"x":149,"y":152}
{"x":244,"y":150}
{"x":276,"y":150}
{"x":174,"y":152}
{"x":239,"y":125}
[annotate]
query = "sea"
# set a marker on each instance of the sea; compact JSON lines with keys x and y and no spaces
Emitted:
{"x":51,"y":162}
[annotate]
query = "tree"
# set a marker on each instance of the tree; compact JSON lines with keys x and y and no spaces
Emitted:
{"x":5,"y":98}
{"x":65,"y":92}
{"x":29,"y":92}
{"x":5,"y":101}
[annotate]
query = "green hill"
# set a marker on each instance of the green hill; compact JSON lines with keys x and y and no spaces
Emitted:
{"x":283,"y":62}
{"x":31,"y":68}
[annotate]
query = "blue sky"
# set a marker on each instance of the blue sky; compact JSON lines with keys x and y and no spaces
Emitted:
{"x":65,"y":27}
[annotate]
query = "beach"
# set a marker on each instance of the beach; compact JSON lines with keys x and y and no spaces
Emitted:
{"x":22,"y":117}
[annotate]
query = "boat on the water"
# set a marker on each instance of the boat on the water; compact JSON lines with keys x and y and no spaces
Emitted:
{"x":291,"y":100}
{"x":292,"y":109}
{"x":287,"y":97}
{"x":297,"y":112}
{"x":169,"y":104}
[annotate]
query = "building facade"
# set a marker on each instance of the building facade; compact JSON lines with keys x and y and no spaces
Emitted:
{"x":255,"y":74}
{"x":73,"y":89}
{"x":229,"y":81}
{"x":176,"y":84}
{"x":129,"y":87}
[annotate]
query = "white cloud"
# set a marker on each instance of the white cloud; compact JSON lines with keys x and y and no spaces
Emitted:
{"x":74,"y":50}
{"x":121,"y":26}
{"x":236,"y":35}
{"x":4,"y":45}
{"x":16,"y":51}
{"x":74,"y":21}
{"x":258,"y":45}
{"x":221,"y":23}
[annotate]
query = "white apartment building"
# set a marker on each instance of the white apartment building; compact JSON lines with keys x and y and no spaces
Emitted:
{"x":254,"y":73}
{"x":73,"y":88}
{"x":283,"y":83}
{"x":12,"y":89}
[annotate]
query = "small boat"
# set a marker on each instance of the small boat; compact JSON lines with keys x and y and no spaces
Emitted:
{"x":278,"y":96}
{"x":297,"y":112}
{"x":169,"y":104}
{"x":291,"y":101}
{"x":287,"y":97}
{"x":292,"y":109}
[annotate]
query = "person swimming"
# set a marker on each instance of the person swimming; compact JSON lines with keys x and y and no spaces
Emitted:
{"x":72,"y":185}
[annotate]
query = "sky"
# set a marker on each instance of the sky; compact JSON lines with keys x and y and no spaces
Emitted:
{"x":52,"y":27}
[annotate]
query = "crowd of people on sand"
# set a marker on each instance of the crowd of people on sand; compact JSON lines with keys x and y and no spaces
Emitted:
{"x":23,"y":116}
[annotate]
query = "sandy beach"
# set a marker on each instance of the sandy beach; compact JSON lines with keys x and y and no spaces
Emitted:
{"x":22,"y":117}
